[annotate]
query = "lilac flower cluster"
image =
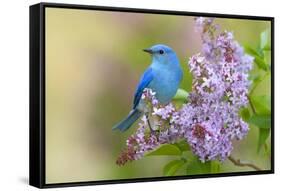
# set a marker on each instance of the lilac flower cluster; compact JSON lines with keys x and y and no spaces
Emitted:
{"x":210,"y":120}
{"x":143,"y":141}
{"x":220,"y":88}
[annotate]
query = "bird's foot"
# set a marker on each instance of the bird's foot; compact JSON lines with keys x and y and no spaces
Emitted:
{"x":152,"y":132}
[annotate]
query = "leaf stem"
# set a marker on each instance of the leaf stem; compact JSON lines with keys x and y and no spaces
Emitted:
{"x":251,"y":105}
{"x":237,"y":162}
{"x":258,"y":83}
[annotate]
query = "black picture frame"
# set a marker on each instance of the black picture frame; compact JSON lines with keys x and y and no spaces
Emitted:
{"x":37,"y":94}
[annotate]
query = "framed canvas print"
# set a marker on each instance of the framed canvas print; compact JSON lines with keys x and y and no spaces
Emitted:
{"x":127,"y":95}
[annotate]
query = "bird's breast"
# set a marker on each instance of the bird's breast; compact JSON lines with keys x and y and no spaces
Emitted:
{"x":165,"y":84}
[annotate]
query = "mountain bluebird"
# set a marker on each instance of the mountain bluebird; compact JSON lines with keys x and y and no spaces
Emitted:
{"x":163,"y":77}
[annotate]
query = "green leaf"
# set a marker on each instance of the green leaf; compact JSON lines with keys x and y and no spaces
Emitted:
{"x":181,"y":95}
{"x":263,"y":135}
{"x":172,"y":167}
{"x":266,"y":48}
{"x":166,"y":149}
{"x":261,"y":63}
{"x":267,"y":149}
{"x":255,"y":78}
{"x":245,"y":114}
{"x":267,"y":57}
{"x":215,"y":166}
{"x":261,"y":121}
{"x":258,"y":79}
{"x":198,"y":168}
{"x":182,"y":145}
{"x":259,"y":57}
{"x":252,"y":51}
{"x":262,"y":104}
{"x":265,"y":40}
{"x":195,"y":166}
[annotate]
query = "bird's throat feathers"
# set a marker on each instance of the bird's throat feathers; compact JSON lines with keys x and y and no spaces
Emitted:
{"x":169,"y":60}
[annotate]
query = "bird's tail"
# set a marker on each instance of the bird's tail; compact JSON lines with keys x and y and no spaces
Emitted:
{"x":128,"y":121}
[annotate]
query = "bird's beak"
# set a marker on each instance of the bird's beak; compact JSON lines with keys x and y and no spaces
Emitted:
{"x":148,"y":50}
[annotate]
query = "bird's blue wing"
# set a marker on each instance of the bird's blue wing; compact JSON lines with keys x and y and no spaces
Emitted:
{"x":144,"y":82}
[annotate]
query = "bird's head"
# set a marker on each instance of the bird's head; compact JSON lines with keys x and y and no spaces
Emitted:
{"x":161,"y":53}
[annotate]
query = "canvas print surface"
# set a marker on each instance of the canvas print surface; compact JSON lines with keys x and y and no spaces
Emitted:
{"x":138,"y":95}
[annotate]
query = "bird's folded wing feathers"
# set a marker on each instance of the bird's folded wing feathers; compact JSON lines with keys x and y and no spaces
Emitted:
{"x":144,"y":82}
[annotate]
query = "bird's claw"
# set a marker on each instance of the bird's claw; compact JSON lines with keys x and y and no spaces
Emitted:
{"x":152,"y":132}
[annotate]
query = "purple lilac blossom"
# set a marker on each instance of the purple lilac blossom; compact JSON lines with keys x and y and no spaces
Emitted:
{"x":143,"y":141}
{"x":210,"y":120}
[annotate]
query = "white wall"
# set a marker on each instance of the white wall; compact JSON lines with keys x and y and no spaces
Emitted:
{"x":14,"y":37}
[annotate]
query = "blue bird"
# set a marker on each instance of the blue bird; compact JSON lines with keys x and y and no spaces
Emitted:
{"x":163,"y":77}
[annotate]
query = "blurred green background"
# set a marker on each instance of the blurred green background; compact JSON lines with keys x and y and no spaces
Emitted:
{"x":93,"y":63}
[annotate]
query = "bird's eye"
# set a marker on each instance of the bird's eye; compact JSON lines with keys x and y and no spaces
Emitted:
{"x":161,"y":51}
